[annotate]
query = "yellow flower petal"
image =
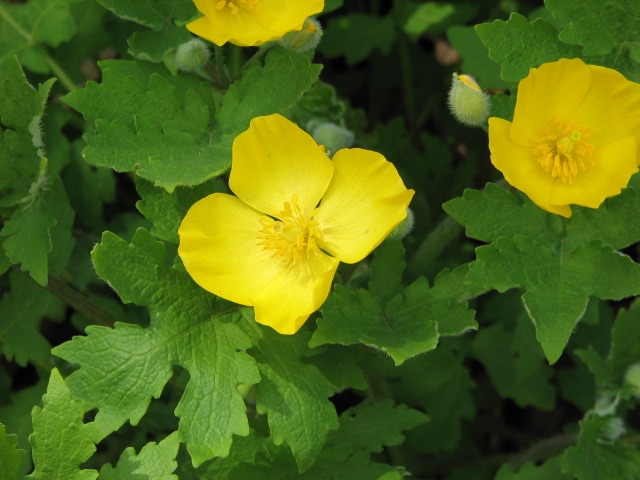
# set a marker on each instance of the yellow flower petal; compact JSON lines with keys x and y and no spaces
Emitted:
{"x":273,"y":161}
{"x":288,"y":299}
{"x":520,"y":168}
{"x":251,"y":22}
{"x":605,"y":179}
{"x":554,"y":88}
{"x":364,"y":202}
{"x":220,"y":249}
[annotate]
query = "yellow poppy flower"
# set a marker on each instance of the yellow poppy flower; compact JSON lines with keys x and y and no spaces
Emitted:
{"x":574,"y":135}
{"x":296,"y":215}
{"x":251,"y":22}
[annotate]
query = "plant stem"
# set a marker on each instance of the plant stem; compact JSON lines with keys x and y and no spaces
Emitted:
{"x":55,"y":67}
{"x":262,"y":51}
{"x":79,"y":302}
{"x":433,"y":245}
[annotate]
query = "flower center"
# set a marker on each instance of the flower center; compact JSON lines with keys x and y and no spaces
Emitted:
{"x":234,"y":6}
{"x":562,"y":149}
{"x":293,"y":235}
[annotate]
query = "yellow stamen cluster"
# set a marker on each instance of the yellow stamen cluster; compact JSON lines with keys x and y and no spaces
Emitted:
{"x":291,"y":236}
{"x":235,"y":5}
{"x":562,"y":149}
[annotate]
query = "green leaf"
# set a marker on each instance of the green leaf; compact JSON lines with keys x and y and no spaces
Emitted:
{"x":165,"y":210}
{"x":355,"y":36}
{"x":401,"y":324}
{"x":593,"y":459}
{"x":421,"y":17}
{"x":515,"y":363}
{"x":438,"y":383}
{"x":518,"y":45}
{"x":150,"y":123}
{"x":61,"y":441}
{"x":11,"y":456}
{"x":21,"y":144}
{"x":557,"y":283}
{"x":292,"y":394}
{"x":187,"y":329}
{"x":21,"y":309}
{"x":264,"y":90}
{"x":155,"y":46}
{"x":371,"y":426}
{"x":612,"y":223}
{"x":27,"y":28}
{"x":600,"y":27}
{"x":155,"y":461}
{"x":17,"y":418}
{"x":495,"y":212}
{"x":38,"y":233}
{"x":551,"y":469}
{"x":625,"y":342}
{"x":402,"y":329}
{"x":154,"y":14}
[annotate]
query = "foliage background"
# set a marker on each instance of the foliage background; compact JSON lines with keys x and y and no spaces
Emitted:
{"x":424,"y":360}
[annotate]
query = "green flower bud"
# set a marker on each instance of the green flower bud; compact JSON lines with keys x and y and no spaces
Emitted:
{"x":613,"y":429}
{"x":305,"y":39}
{"x":332,"y":136}
{"x":632,"y":378}
{"x":467,"y":102}
{"x":404,"y":227}
{"x":192,"y":55}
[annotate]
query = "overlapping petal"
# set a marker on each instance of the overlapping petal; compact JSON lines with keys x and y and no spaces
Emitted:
{"x":365,"y":201}
{"x":251,"y":23}
{"x":273,"y":161}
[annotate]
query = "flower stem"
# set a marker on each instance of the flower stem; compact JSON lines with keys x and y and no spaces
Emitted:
{"x":262,"y":51}
{"x":433,"y":245}
{"x":79,"y":302}
{"x":55,"y":67}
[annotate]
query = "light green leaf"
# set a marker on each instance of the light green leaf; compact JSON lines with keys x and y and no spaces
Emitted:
{"x":601,"y":27}
{"x":557,"y":283}
{"x":355,"y":36}
{"x":592,"y":459}
{"x":21,"y":310}
{"x":425,"y":16}
{"x":515,"y":363}
{"x":156,"y":461}
{"x":518,"y":45}
{"x":293,"y":395}
{"x":61,"y":441}
{"x":187,"y":329}
{"x":10,"y":455}
{"x":151,"y":123}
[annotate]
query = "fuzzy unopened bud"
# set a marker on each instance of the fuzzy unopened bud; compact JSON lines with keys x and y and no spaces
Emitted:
{"x":332,"y":136}
{"x":467,"y":102}
{"x":305,"y":39}
{"x":632,"y":378}
{"x":404,"y":227}
{"x":192,"y":55}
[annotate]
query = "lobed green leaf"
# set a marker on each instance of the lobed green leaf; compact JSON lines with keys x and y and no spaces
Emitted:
{"x":9,"y":453}
{"x":61,"y":441}
{"x":518,"y":45}
{"x":122,"y":368}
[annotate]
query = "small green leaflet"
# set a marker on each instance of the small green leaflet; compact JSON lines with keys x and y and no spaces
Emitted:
{"x":155,"y":461}
{"x":10,"y":455}
{"x":61,"y":441}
